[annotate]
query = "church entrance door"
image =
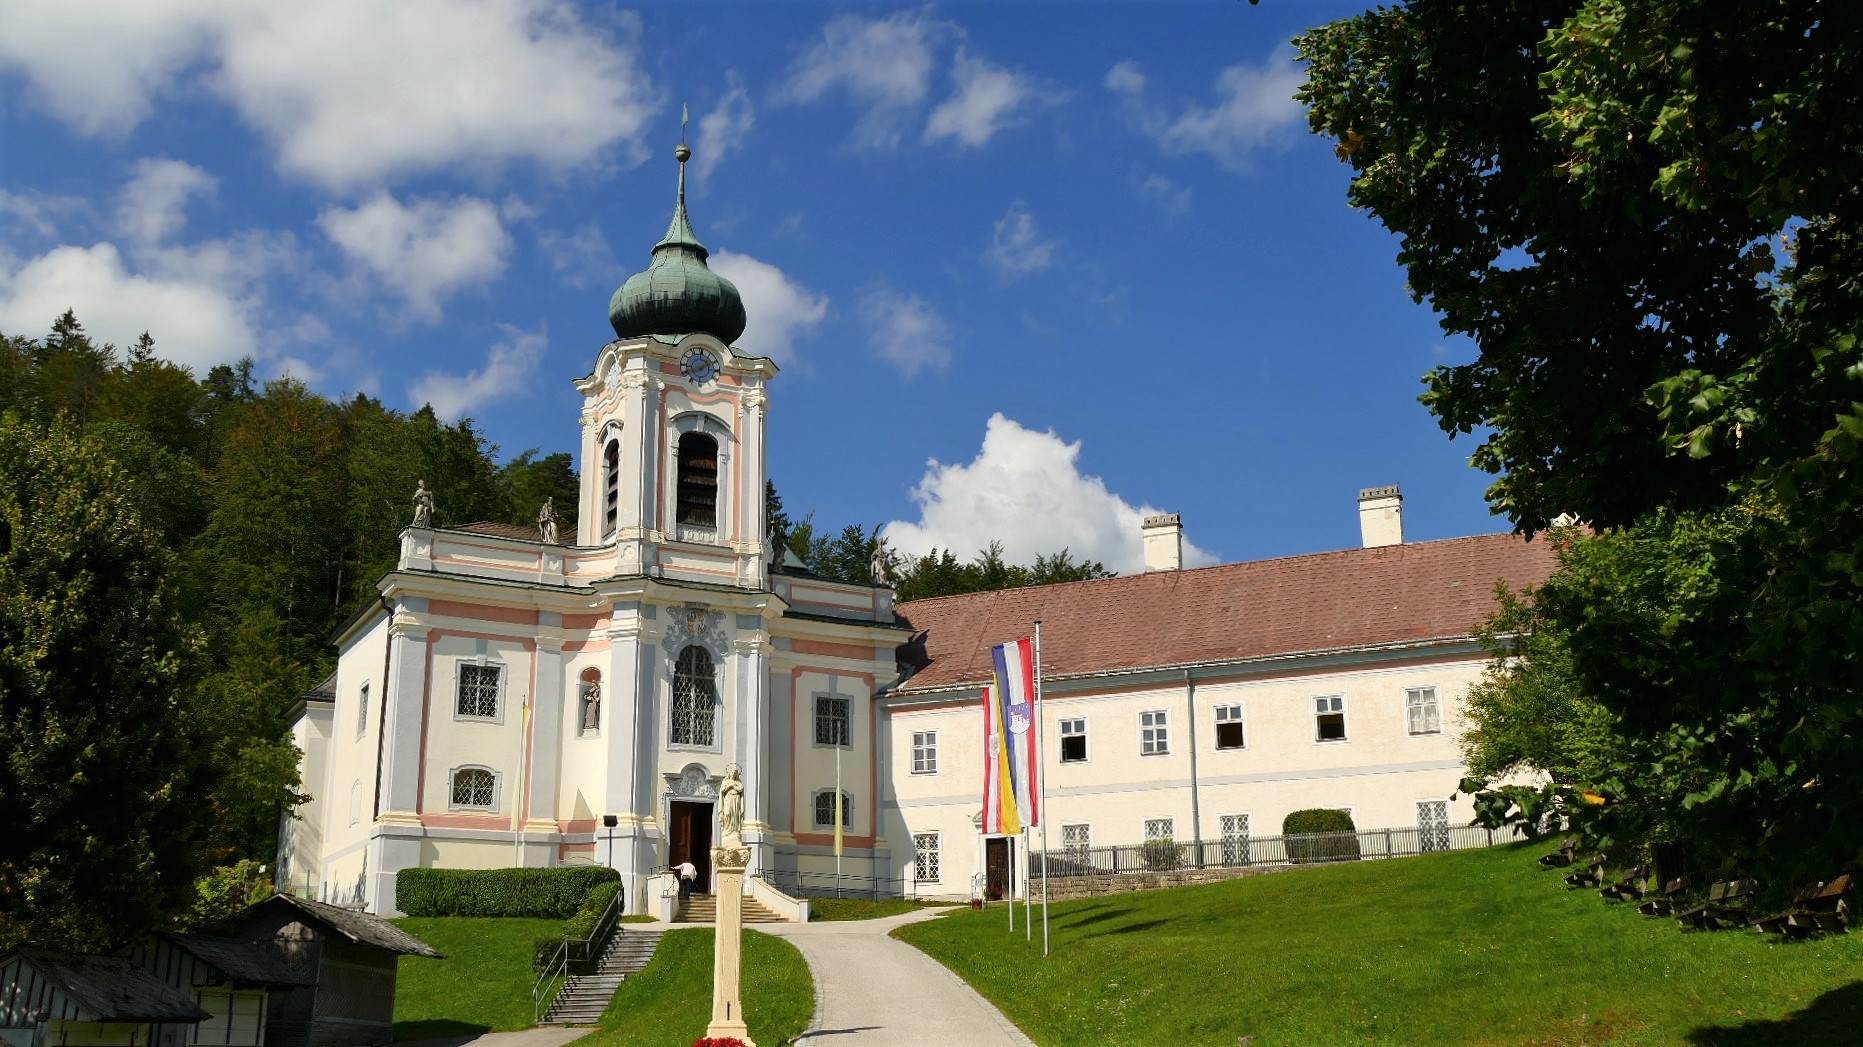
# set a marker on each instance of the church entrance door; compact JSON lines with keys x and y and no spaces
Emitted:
{"x":997,"y":854}
{"x":690,"y":840}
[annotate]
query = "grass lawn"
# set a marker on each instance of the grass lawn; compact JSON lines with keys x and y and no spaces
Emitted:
{"x":669,"y":1003}
{"x":864,"y":908}
{"x":482,"y":985}
{"x":1476,"y":947}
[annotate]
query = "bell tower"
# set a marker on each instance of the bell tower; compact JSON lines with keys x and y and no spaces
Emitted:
{"x":673,"y":423}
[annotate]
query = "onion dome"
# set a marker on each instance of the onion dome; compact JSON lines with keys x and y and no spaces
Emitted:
{"x":678,"y":293}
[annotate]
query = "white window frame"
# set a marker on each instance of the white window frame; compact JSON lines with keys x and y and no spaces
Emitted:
{"x":504,"y":684}
{"x":928,"y":749}
{"x":847,"y":810}
{"x":1241,"y":842}
{"x":498,"y":781}
{"x":1161,"y":744}
{"x":1085,"y":736}
{"x":1067,"y":848}
{"x":1435,"y":703}
{"x":1170,"y":825}
{"x":1446,"y":826}
{"x":815,"y":715}
{"x":1345,"y":718}
{"x":362,"y":710}
{"x":1241,"y":717}
{"x":937,"y":858}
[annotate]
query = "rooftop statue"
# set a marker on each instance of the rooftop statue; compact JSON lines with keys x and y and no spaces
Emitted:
{"x":546,"y":520}
{"x":423,"y":505}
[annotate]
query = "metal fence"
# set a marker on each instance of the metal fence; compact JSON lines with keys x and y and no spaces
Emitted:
{"x":1242,"y":851}
{"x":809,"y":884}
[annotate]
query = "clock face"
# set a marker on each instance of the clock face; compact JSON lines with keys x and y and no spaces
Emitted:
{"x":699,"y":365}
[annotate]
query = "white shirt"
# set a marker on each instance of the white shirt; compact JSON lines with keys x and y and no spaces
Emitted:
{"x":686,"y":871}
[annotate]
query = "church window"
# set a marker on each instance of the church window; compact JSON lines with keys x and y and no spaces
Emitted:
{"x":831,"y":721}
{"x":1154,"y":733}
{"x":924,"y":752}
{"x":1329,"y":718}
{"x":695,"y":698}
{"x":475,"y":787}
{"x":611,"y":487}
{"x":925,"y":857}
{"x":478,"y":690}
{"x":1074,"y":741}
{"x":362,"y":711}
{"x":698,"y":480}
{"x":1229,"y":727}
{"x":1424,"y":714}
{"x":824,"y":810}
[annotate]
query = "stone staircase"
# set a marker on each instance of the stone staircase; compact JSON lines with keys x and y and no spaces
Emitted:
{"x":703,"y":908}
{"x":585,"y":996}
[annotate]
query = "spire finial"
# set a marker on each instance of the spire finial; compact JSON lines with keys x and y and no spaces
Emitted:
{"x":683,"y":153}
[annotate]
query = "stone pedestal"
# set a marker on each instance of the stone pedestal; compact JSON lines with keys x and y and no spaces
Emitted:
{"x":728,"y":864}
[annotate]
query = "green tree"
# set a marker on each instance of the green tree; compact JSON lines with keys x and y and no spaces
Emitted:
{"x":101,"y":762}
{"x":529,"y":479}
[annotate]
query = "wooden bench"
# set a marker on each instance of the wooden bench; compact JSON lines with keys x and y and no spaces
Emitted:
{"x":1674,"y":893}
{"x":1726,"y":905}
{"x":1816,"y":908}
{"x":1561,"y":857}
{"x":1591,"y":877}
{"x":1628,"y":889}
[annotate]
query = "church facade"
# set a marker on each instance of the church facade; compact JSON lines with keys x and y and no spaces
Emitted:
{"x":522,"y":698}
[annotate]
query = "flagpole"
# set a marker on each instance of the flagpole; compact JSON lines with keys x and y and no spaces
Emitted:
{"x":837,"y":815}
{"x":1041,"y":786}
{"x":1028,"y":889}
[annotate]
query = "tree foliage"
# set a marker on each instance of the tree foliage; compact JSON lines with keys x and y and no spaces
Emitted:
{"x":1646,"y":216}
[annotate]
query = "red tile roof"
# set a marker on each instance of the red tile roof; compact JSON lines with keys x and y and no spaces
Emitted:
{"x":502,"y":530}
{"x":1317,"y":602}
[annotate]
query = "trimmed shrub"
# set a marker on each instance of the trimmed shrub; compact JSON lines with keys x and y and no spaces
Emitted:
{"x":544,"y":893}
{"x":1162,"y":855}
{"x":578,"y":927}
{"x":1302,"y":846}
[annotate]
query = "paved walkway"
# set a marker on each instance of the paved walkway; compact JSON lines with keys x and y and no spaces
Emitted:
{"x":547,"y":1036}
{"x":876,"y":991}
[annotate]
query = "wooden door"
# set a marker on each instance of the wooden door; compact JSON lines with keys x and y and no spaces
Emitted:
{"x":996,"y":863}
{"x":689,"y":839}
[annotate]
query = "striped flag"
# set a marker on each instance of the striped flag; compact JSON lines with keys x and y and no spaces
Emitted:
{"x":1015,"y":685}
{"x":999,"y":796}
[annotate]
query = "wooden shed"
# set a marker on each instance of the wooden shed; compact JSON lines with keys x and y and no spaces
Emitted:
{"x":350,"y":956}
{"x":50,"y":998}
{"x":231,"y":980}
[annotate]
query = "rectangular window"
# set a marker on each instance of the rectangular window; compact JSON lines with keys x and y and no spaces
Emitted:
{"x":1160,"y":829}
{"x":478,"y":690}
{"x":1422,"y":712}
{"x":1433,"y":825}
{"x":925,"y":753}
{"x":1153,"y":733}
{"x":831,"y":721}
{"x":824,"y":810}
{"x":1076,"y":839}
{"x":362,"y":711}
{"x":925,"y":857}
{"x":1235,"y":839}
{"x":1073,"y":741}
{"x":1329,"y":718}
{"x":1229,"y":727}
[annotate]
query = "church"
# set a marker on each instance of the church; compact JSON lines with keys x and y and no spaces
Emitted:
{"x":520,"y":698}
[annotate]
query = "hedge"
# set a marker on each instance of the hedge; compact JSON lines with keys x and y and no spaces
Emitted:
{"x":551,"y":894}
{"x":578,"y":927}
{"x":1297,"y":827}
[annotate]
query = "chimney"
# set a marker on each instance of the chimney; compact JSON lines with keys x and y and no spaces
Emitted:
{"x":1164,"y":542}
{"x":1381,"y":516}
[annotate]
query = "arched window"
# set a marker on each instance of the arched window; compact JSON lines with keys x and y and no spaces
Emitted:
{"x":611,"y":487}
{"x":695,"y":699}
{"x":475,"y":787}
{"x":698,"y":480}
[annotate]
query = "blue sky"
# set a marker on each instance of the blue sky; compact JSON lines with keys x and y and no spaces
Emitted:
{"x":1029,"y":269}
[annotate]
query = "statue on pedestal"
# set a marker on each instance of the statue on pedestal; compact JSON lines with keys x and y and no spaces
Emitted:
{"x":731,"y":809}
{"x":881,"y":565}
{"x":423,"y":505}
{"x":546,"y":521}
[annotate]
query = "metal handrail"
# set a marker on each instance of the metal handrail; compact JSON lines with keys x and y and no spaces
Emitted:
{"x":573,"y":950}
{"x":1174,"y":855}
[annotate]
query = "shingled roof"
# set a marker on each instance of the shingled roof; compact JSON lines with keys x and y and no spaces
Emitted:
{"x":1352,"y":598}
{"x":358,"y":927}
{"x":111,"y":988}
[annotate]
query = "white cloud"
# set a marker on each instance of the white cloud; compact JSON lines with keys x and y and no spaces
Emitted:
{"x":196,"y":321}
{"x":581,"y":258}
{"x":351,"y":93}
{"x":983,"y":103}
{"x":508,"y":370}
{"x":1254,"y":105}
{"x":1016,"y":247}
{"x":425,"y":251}
{"x":906,"y":331}
{"x":722,"y":131}
{"x":883,"y":63}
{"x":35,"y":214}
{"x":1174,"y":198}
{"x":152,"y":207}
{"x":779,"y":309}
{"x":1025,"y":489}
